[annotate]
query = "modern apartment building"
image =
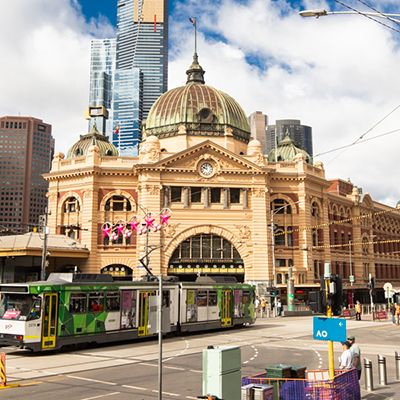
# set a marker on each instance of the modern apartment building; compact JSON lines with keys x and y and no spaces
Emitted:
{"x":300,"y":134}
{"x":142,"y":49}
{"x":26,"y":151}
{"x":102,"y":68}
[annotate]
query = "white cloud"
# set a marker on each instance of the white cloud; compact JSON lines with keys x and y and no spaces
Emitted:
{"x":338,"y":74}
{"x":44,"y":68}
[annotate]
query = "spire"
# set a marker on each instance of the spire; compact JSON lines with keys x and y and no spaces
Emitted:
{"x":195,"y":73}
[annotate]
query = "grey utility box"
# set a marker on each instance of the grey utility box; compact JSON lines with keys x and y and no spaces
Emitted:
{"x":247,"y":392}
{"x":263,"y":392}
{"x":221,"y":372}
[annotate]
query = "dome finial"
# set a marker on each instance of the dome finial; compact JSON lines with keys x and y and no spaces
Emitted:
{"x":195,"y":73}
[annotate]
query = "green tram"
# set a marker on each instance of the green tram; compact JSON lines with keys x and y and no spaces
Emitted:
{"x":70,"y":309}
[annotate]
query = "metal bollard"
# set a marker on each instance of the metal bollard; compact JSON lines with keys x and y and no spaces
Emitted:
{"x":382,"y":370}
{"x":397,"y":361}
{"x":369,"y":380}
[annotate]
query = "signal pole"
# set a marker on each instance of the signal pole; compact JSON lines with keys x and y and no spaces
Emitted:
{"x":327,"y":279}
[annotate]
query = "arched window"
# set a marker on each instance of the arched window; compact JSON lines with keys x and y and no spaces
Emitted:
{"x":280,"y":206}
{"x":118,"y":203}
{"x":71,"y":205}
{"x":70,"y":224}
{"x":315,"y":210}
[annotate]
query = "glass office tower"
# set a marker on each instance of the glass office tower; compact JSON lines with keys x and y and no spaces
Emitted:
{"x":142,"y":49}
{"x":102,"y":68}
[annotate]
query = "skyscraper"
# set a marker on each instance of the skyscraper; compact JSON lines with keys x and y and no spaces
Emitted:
{"x":142,"y":49}
{"x":26,"y":151}
{"x":102,"y":68}
{"x":300,"y":134}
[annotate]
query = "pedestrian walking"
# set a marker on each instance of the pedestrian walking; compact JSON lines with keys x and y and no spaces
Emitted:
{"x":393,"y":312}
{"x":356,"y":353}
{"x":358,"y":309}
{"x":397,"y":313}
{"x":346,"y":359}
{"x":263,"y":306}
{"x":257,"y":305}
{"x":279,"y":307}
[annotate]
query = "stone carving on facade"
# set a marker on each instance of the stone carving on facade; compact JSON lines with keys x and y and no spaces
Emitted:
{"x":244,"y":232}
{"x":150,"y":149}
{"x":170,"y":230}
{"x":258,"y":192}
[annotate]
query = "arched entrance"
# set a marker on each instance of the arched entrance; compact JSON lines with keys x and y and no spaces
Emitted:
{"x":206,"y":254}
{"x":119,"y":272}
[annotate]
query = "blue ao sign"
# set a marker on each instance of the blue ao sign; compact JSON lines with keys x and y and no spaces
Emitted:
{"x":329,"y":329}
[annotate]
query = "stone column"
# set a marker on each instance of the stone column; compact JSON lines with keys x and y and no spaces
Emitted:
{"x":206,"y":194}
{"x":186,"y":197}
{"x":166,"y":191}
{"x":245,"y":198}
{"x":226,"y":198}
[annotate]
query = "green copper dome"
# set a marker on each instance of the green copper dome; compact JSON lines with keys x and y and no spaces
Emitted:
{"x":81,"y":147}
{"x":287,"y":151}
{"x":202,"y":109}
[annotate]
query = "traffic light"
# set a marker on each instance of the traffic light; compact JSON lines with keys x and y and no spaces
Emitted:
{"x":316,"y":303}
{"x":336,"y":295}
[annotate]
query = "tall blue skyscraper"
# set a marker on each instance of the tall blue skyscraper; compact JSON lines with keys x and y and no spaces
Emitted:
{"x":102,"y":69}
{"x":141,"y":67}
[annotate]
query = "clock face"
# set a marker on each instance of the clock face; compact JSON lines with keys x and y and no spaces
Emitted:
{"x":206,"y":169}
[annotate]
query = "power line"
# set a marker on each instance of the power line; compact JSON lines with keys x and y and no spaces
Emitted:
{"x":357,"y":142}
{"x":397,"y":22}
{"x":366,"y":16}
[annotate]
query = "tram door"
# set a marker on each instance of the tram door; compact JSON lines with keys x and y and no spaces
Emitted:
{"x":144,"y":303}
{"x":226,"y":308}
{"x":49,"y":321}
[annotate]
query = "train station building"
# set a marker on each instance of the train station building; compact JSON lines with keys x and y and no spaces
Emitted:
{"x":233,"y":209}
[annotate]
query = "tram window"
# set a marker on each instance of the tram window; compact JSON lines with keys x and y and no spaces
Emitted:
{"x":113,"y":301}
{"x":96,"y":302}
{"x":246,"y":297}
{"x":166,"y":298}
{"x":202,"y":298}
{"x":78,"y":303}
{"x":212,"y":298}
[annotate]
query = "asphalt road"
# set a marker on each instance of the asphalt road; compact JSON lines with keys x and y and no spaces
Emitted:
{"x":129,"y":370}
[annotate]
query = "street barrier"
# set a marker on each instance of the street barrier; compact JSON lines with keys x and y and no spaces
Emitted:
{"x":369,"y":380}
{"x":382,"y":370}
{"x":3,"y":375}
{"x":344,"y":385}
{"x":397,"y":362}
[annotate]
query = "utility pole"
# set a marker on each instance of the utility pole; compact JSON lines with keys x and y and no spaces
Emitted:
{"x":273,"y":261}
{"x":327,"y":280}
{"x":45,"y":228}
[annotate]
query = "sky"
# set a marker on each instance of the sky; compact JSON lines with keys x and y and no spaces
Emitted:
{"x":337,"y":74}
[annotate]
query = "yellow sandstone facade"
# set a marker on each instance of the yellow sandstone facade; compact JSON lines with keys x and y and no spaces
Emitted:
{"x":198,"y":161}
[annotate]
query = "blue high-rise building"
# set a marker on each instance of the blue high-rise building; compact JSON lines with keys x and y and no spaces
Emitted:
{"x":102,"y":69}
{"x":141,"y":67}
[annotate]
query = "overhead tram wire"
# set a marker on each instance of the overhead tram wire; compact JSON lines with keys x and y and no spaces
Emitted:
{"x":357,"y":141}
{"x":366,"y":16}
{"x":346,"y":146}
{"x":384,"y":15}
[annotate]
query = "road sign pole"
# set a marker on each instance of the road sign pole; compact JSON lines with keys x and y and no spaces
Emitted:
{"x":331,"y":361}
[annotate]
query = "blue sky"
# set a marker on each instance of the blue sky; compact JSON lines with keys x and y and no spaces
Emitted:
{"x":337,"y":74}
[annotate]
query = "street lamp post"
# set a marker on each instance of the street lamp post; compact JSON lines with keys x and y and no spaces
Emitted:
{"x":322,"y":13}
{"x":43,"y":223}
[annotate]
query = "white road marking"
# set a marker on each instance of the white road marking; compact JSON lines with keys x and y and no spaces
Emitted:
{"x":167,"y":393}
{"x":177,"y":368}
{"x":134,"y":387}
{"x":149,"y":365}
{"x":102,"y":395}
{"x":190,"y":397}
{"x":196,"y":371}
{"x":91,"y":380}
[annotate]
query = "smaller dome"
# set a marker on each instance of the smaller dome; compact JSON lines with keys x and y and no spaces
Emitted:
{"x":94,"y":138}
{"x":287,"y":152}
{"x":254,"y":147}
